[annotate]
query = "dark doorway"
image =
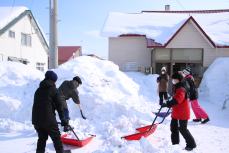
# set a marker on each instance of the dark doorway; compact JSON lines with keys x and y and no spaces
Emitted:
{"x":179,"y":67}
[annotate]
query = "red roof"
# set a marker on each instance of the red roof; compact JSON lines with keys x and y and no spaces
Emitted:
{"x":66,"y":52}
{"x":151,"y":43}
{"x":190,"y":11}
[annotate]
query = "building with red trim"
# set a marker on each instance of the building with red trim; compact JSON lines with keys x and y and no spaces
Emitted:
{"x":175,"y":39}
{"x":66,"y":53}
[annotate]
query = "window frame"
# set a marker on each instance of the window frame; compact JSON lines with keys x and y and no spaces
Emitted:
{"x":26,"y":39}
{"x":11,"y":34}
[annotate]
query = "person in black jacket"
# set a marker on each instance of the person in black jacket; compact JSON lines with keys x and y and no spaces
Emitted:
{"x":67,"y":90}
{"x":46,"y":101}
{"x":199,"y":112}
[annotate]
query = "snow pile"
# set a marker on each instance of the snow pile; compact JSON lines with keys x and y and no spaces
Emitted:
{"x":17,"y":85}
{"x":215,"y":82}
{"x":147,"y":84}
{"x":109,"y":98}
{"x":112,"y":102}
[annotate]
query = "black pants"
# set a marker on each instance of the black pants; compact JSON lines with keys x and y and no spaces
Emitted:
{"x":162,"y":96}
{"x":181,"y":125}
{"x":43,"y":134}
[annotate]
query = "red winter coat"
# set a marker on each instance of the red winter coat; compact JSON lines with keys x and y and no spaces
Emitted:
{"x":181,"y":110}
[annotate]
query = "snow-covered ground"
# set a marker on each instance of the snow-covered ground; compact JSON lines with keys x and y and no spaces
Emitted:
{"x":115,"y":103}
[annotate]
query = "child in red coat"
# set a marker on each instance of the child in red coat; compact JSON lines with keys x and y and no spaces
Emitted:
{"x":180,"y":113}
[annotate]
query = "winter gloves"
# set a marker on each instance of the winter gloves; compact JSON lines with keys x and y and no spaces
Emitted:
{"x":64,"y":122}
{"x":169,"y":103}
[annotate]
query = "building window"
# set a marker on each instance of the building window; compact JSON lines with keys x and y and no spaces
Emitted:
{"x":11,"y":34}
{"x":26,"y":39}
{"x":20,"y":60}
{"x":40,"y":66}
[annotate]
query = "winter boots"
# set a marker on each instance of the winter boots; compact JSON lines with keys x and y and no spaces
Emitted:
{"x":197,"y":120}
{"x":205,"y":120}
{"x":189,"y":148}
{"x":200,"y":120}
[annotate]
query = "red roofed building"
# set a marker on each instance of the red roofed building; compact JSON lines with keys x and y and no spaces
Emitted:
{"x":151,"y":40}
{"x":68,"y":52}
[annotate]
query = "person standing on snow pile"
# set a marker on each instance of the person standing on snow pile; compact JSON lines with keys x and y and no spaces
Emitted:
{"x":67,"y":90}
{"x":162,"y":81}
{"x":180,"y":113}
{"x":46,"y":101}
{"x":193,"y":96}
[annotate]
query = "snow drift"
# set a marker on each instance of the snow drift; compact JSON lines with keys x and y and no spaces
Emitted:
{"x":215,"y":82}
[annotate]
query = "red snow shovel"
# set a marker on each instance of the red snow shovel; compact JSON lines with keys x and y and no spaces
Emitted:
{"x":144,"y":131}
{"x":75,"y":142}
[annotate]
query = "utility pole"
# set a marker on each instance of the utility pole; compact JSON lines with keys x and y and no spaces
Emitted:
{"x":53,"y":41}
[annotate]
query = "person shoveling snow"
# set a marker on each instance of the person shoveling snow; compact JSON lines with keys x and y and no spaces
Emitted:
{"x":46,"y":101}
{"x":67,"y":90}
{"x":180,"y":113}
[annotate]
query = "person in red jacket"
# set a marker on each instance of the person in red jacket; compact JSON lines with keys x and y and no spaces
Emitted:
{"x":180,"y":113}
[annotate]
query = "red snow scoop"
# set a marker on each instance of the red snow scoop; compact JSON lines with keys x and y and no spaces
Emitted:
{"x":75,"y":142}
{"x":146,"y":130}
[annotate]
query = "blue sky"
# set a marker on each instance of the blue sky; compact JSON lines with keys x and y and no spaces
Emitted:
{"x":80,"y":21}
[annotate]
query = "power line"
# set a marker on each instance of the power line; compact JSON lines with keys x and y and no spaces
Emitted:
{"x":12,"y":6}
{"x":182,"y":6}
{"x":13,"y":3}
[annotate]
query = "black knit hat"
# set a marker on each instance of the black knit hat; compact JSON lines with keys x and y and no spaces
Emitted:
{"x":77,"y":78}
{"x":50,"y":75}
{"x":177,"y":76}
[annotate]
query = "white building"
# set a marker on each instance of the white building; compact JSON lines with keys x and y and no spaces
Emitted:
{"x":21,"y":38}
{"x":175,"y":39}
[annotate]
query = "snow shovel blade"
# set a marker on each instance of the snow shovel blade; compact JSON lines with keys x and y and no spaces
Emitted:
{"x":74,"y":142}
{"x":162,"y":114}
{"x":143,"y":132}
{"x":146,"y":128}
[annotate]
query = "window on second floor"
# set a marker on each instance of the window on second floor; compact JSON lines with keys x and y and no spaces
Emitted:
{"x":26,"y":39}
{"x":11,"y":34}
{"x":40,"y":66}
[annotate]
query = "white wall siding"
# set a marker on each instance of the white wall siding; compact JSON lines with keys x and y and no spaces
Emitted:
{"x":129,"y":52}
{"x":13,"y":47}
{"x":191,"y":37}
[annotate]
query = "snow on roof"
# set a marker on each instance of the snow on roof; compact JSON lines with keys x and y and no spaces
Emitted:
{"x":161,"y":26}
{"x":7,"y":14}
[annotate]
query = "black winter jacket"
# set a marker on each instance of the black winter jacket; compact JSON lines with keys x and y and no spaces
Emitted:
{"x":68,"y":89}
{"x":46,"y":101}
{"x":193,"y":92}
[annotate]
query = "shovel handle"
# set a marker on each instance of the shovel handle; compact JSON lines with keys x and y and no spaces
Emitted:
{"x":155,"y":119}
{"x":81,"y":112}
{"x":157,"y":116}
{"x":73,"y":132}
{"x":165,"y":116}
